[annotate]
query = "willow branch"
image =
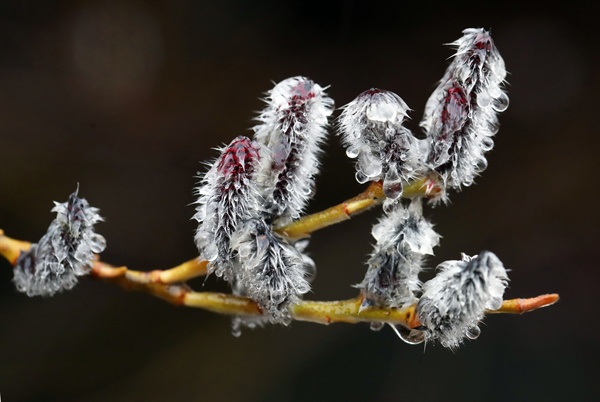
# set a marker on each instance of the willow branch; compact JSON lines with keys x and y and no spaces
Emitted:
{"x":161,"y":284}
{"x":427,"y":186}
{"x":320,"y":312}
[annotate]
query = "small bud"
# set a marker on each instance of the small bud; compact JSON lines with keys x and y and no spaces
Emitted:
{"x":403,"y":237}
{"x":372,"y":131}
{"x":228,"y":196}
{"x":461,"y":115}
{"x":455,"y":300}
{"x":273,"y":273}
{"x":65,"y":252}
{"x":292,"y":127}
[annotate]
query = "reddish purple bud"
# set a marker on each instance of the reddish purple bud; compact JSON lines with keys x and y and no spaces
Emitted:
{"x":228,"y":196}
{"x":461,"y":115}
{"x":292,"y":127}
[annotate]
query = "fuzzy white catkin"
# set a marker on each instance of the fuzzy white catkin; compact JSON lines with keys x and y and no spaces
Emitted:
{"x":293,"y":127}
{"x":64,"y":253}
{"x":460,"y":117}
{"x":403,"y":238}
{"x":372,"y":131}
{"x":273,"y":272}
{"x":453,"y":303}
{"x":228,"y":195}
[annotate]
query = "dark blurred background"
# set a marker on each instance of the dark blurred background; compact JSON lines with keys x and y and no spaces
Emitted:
{"x":128,"y":97}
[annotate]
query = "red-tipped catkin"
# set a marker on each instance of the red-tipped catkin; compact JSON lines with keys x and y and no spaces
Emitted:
{"x":461,"y":115}
{"x":293,"y":127}
{"x":228,"y":195}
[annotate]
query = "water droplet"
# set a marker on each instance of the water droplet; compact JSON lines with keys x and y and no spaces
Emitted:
{"x":310,"y":268}
{"x":494,"y":304}
{"x":500,"y":104}
{"x":371,"y":167}
{"x":352,"y":152}
{"x":82,"y":254}
{"x":493,"y":127}
{"x":389,"y":205}
{"x":210,"y":253}
{"x":473,"y":332}
{"x":487,"y":143}
{"x":236,"y":329}
{"x":98,"y":243}
{"x":361,"y":177}
{"x":392,"y":185}
{"x":408,"y":335}
{"x":376,"y":326}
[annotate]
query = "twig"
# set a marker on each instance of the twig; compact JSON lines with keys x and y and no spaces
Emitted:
{"x":427,"y":186}
{"x":161,"y":284}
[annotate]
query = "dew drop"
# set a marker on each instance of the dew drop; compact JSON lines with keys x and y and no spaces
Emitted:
{"x":98,"y":243}
{"x":487,"y":144}
{"x":408,"y":335}
{"x":82,"y":254}
{"x":361,"y":177}
{"x":210,"y":253}
{"x":493,"y":127}
{"x":392,"y":185}
{"x":494,"y":304}
{"x":371,"y":167}
{"x":376,"y":326}
{"x":500,"y":104}
{"x":389,"y":205}
{"x":352,"y":152}
{"x":473,"y":332}
{"x":310,"y":268}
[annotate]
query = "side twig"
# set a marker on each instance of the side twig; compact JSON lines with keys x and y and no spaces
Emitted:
{"x":427,"y":186}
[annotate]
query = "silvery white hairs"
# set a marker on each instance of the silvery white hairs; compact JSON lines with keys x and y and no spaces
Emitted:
{"x":455,"y":300}
{"x":293,"y":127}
{"x":460,"y":117}
{"x":372,"y":131}
{"x":228,"y":195}
{"x":404,"y":237}
{"x":64,"y":253}
{"x":255,"y":183}
{"x":272,"y":272}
